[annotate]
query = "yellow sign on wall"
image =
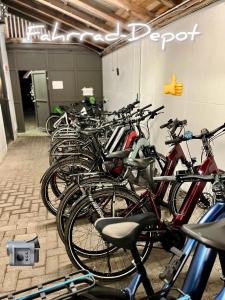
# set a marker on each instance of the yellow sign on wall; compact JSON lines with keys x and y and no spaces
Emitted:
{"x":174,"y":88}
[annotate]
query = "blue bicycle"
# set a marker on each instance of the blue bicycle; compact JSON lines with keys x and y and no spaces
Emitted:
{"x":207,"y":235}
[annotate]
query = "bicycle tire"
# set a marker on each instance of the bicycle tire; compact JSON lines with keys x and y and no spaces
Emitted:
{"x":49,"y":123}
{"x":74,"y":189}
{"x":177,"y":197}
{"x":98,"y":257}
{"x":49,"y":177}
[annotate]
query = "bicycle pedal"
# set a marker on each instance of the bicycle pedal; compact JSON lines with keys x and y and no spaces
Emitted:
{"x":173,"y":265}
{"x":176,"y":251}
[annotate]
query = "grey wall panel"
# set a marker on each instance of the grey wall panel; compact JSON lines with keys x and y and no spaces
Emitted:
{"x":17,"y":100}
{"x":69,"y":85}
{"x":74,"y":65}
{"x":15,"y":86}
{"x":11,"y":60}
{"x":19,"y":117}
{"x":30,"y":60}
{"x":60,"y":61}
{"x":88,"y":62}
{"x":90,"y":79}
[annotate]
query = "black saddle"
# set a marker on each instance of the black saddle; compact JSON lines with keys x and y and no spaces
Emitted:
{"x":210,"y":234}
{"x":90,"y":131}
{"x":118,"y":154}
{"x":140,"y":163}
{"x":124,"y":232}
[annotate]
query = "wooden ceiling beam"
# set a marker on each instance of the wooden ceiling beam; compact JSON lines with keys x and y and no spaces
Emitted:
{"x":41,"y":9}
{"x":20,"y":14}
{"x":168,"y":3}
{"x":75,"y":14}
{"x":37,"y":15}
{"x":91,"y":9}
{"x":138,"y":11}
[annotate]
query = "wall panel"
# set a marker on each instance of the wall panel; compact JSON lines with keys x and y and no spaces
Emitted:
{"x":200,"y":65}
{"x":75,"y":66}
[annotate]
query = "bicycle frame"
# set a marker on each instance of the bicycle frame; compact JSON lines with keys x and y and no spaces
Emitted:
{"x":202,"y":261}
{"x":200,"y":268}
{"x":155,"y":198}
{"x":206,"y":168}
{"x":172,"y":159}
{"x":57,"y":123}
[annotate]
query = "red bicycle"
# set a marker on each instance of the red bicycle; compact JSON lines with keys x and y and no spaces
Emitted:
{"x":118,"y":201}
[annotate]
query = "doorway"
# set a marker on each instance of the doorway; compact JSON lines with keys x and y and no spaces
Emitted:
{"x":34,"y":94}
{"x":27,"y":100}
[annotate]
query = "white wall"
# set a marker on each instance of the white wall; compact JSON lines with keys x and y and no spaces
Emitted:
{"x":200,"y":65}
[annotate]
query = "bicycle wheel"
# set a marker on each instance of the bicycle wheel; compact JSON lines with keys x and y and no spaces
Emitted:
{"x":72,"y":195}
{"x":50,"y":122}
{"x":179,"y":193}
{"x":58,"y":177}
{"x":85,"y":247}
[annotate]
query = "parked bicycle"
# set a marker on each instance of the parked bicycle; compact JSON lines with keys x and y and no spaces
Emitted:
{"x":99,"y":204}
{"x":125,"y":233}
{"x":64,"y":172}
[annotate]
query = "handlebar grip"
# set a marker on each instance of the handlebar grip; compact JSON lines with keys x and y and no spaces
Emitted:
{"x":132,"y":105}
{"x":166,"y":124}
{"x":143,"y":108}
{"x":158,"y":109}
{"x":211,"y":133}
{"x":136,"y":102}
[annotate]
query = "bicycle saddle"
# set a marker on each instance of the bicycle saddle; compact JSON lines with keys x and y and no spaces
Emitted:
{"x":209,"y":234}
{"x":140,"y":163}
{"x":124,"y":232}
{"x":119,"y":154}
{"x":90,"y":131}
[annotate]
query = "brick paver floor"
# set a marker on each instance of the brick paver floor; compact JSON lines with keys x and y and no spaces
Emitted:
{"x":23,"y":216}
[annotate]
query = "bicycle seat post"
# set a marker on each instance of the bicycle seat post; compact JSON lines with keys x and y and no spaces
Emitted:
{"x":142,"y":271}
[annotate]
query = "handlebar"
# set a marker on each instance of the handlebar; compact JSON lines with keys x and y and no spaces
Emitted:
{"x":204,"y":133}
{"x":213,"y":132}
{"x":158,"y":109}
{"x":152,"y":113}
{"x":188,"y":178}
{"x":175,"y":141}
{"x":166,"y":124}
{"x":145,"y":107}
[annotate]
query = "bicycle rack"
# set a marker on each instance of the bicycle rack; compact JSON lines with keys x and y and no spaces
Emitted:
{"x":75,"y":283}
